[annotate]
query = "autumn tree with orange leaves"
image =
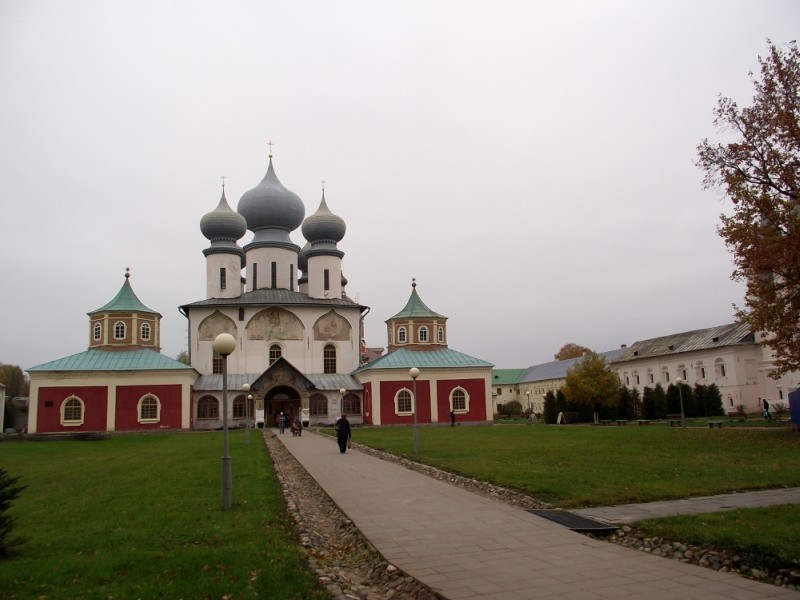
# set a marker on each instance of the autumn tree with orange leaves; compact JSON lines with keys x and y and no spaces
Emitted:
{"x":759,"y":171}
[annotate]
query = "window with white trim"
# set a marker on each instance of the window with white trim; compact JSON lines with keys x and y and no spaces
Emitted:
{"x":458,"y":400}
{"x":72,"y":412}
{"x":149,"y":409}
{"x":98,"y":331}
{"x":403,"y":402}
{"x":441,"y":335}
{"x":401,"y":335}
{"x":145,"y":333}
{"x":275,"y":352}
{"x":119,"y":330}
{"x":329,"y":359}
{"x":422,"y":334}
{"x":240,"y":407}
{"x":351,"y":404}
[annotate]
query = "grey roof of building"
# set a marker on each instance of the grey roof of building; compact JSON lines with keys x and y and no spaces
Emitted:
{"x":322,"y":381}
{"x":688,"y":341}
{"x":558,"y":368}
{"x":96,"y":359}
{"x":273,"y":297}
{"x":403,"y":358}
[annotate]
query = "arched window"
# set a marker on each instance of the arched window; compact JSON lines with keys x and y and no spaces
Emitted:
{"x":216,"y":363}
{"x":441,"y":335}
{"x":351,"y":404}
{"x":650,"y":378}
{"x":401,"y":335}
{"x":700,"y":370}
{"x":391,"y":336}
{"x":665,"y":374}
{"x":318,"y":405}
{"x":402,"y":402}
{"x":240,"y":407}
{"x":275,"y":352}
{"x":98,"y":331}
{"x":72,"y":411}
{"x":423,"y":334}
{"x":329,"y":359}
{"x":149,"y":409}
{"x":459,"y":400}
{"x":208,"y":408}
{"x":145,"y":331}
{"x":682,"y":373}
{"x":119,"y":330}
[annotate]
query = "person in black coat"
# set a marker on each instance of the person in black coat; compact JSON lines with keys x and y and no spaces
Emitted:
{"x":343,"y":433}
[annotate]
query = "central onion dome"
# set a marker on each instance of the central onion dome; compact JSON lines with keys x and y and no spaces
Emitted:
{"x":323,"y":225}
{"x":270,"y":206}
{"x":223,"y":223}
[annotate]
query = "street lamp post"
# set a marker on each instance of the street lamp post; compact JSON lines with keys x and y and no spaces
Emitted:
{"x":679,"y":381}
{"x":414,"y":372}
{"x":245,"y":389}
{"x":529,"y":403}
{"x":224,"y":345}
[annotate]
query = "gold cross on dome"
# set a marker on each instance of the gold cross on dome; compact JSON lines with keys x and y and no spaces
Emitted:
{"x":223,"y":181}
{"x":323,"y":185}
{"x":270,"y":144}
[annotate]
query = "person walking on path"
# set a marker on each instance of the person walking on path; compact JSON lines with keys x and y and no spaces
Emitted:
{"x":452,"y":418}
{"x":343,"y":433}
{"x":765,"y":405}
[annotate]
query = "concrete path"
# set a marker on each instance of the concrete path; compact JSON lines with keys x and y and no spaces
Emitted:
{"x":464,"y":545}
{"x":629,"y":513}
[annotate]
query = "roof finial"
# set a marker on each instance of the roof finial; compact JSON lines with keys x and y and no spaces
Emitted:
{"x":270,"y":144}
{"x":323,"y":185}
{"x":223,"y":182}
{"x":127,"y":272}
{"x":413,"y":283}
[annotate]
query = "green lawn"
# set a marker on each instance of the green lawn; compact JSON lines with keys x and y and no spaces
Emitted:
{"x":574,"y":466}
{"x":138,"y":516}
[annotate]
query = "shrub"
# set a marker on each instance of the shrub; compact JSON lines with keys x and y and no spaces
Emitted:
{"x":9,"y":491}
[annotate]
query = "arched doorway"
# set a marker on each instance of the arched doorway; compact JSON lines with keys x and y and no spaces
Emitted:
{"x":281,"y":398}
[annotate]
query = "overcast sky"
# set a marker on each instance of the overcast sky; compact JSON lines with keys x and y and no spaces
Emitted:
{"x":531,"y":164}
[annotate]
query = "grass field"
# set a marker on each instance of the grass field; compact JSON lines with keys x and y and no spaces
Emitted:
{"x":138,"y":516}
{"x":575,"y":466}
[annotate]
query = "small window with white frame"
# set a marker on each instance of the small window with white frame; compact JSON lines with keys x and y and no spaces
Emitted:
{"x":119,"y":330}
{"x":72,"y":412}
{"x":459,"y":400}
{"x":149,"y":409}
{"x":422,"y":333}
{"x":403,"y":402}
{"x":145,"y":332}
{"x":98,"y":331}
{"x":401,"y":335}
{"x":441,"y":335}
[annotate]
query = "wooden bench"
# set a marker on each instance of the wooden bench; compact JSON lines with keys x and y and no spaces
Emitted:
{"x":674,"y":420}
{"x":712,"y":424}
{"x":643,"y":421}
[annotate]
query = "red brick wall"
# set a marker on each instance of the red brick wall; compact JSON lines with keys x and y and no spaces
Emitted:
{"x":388,"y":391}
{"x":476,"y":391}
{"x":127,"y":416}
{"x":95,"y":401}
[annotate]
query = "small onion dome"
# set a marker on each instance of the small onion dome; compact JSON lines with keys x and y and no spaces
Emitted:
{"x":323,"y":225}
{"x":302,"y":258}
{"x":223,"y":222}
{"x":344,"y":280}
{"x":270,"y":205}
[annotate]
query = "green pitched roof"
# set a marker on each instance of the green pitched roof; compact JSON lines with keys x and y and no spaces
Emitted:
{"x":125,"y":301}
{"x":415,"y":308}
{"x":506,"y":376}
{"x":95,"y":359}
{"x":405,"y":359}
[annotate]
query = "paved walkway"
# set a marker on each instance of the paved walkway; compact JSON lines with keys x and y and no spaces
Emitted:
{"x":464,"y":545}
{"x":629,"y":513}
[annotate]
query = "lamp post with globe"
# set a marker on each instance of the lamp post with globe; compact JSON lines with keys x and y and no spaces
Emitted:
{"x":414,"y":372}
{"x":224,"y":345}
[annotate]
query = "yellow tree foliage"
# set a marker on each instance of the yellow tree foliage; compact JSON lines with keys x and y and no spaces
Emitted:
{"x":591,"y":381}
{"x":759,"y":171}
{"x":570,"y":350}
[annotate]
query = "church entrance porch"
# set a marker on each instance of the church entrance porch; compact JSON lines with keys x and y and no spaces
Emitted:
{"x":281,"y":399}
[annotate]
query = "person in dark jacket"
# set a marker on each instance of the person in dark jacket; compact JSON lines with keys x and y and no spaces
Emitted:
{"x":343,"y":433}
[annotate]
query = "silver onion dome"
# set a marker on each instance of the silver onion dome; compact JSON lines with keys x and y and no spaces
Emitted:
{"x":223,"y":222}
{"x":323,"y":225}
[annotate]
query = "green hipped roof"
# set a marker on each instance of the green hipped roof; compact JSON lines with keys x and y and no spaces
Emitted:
{"x":125,"y":301}
{"x":415,"y":308}
{"x":506,"y":376}
{"x":404,"y":358}
{"x":95,"y":359}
